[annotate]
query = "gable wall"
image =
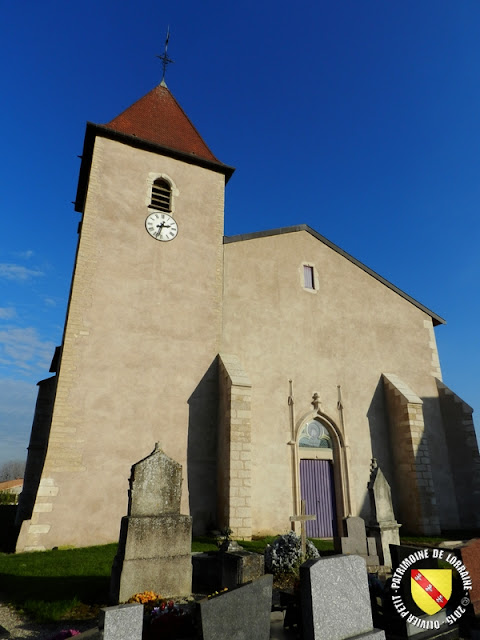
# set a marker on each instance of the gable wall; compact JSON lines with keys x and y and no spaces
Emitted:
{"x":348,"y":333}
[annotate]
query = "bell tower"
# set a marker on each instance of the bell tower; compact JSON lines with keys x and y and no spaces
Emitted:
{"x":143,"y":327}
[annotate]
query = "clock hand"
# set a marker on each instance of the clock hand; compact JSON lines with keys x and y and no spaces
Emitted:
{"x":159,"y":227}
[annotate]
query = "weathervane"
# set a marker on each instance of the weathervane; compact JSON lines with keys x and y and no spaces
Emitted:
{"x":164,"y":58}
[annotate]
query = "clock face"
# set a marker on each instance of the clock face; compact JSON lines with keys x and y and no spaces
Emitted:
{"x":161,"y":226}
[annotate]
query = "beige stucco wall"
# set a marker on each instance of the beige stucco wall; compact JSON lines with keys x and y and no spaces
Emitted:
{"x":142,"y":332}
{"x":348,"y":332}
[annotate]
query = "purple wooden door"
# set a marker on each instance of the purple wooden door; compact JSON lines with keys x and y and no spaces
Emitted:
{"x":317,"y":489}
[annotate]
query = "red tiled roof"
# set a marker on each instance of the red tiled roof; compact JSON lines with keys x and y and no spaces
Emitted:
{"x":158,"y":118}
{"x":9,"y":484}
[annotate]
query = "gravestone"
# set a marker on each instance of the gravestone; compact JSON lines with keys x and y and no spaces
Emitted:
{"x":335,"y":600}
{"x":240,"y":567}
{"x":123,"y":622}
{"x":214,"y":570}
{"x":154,"y":552}
{"x":383,"y":525}
{"x":239,"y":614}
{"x":355,"y":541}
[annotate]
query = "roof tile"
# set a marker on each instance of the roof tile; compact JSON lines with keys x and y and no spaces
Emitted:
{"x":158,"y":118}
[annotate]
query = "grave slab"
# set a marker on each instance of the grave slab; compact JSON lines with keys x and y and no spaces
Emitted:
{"x":123,"y":622}
{"x":335,"y":599}
{"x":215,"y":570}
{"x":241,"y":614}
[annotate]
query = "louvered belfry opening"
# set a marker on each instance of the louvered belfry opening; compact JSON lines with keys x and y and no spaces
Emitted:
{"x":161,"y":195}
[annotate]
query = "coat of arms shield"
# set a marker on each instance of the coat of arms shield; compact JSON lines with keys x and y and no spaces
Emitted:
{"x":431,"y":588}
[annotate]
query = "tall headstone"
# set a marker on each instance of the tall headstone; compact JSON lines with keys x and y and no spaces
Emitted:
{"x":383,"y":526}
{"x":336,"y":600}
{"x":154,"y":551}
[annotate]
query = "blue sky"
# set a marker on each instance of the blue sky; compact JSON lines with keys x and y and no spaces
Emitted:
{"x":357,"y":117}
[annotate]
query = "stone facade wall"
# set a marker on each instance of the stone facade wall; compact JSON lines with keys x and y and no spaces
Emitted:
{"x":235,"y":448}
{"x":463,"y":452}
{"x":414,"y":483}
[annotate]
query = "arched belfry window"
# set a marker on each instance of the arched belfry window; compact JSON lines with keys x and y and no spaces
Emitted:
{"x":161,"y":195}
{"x":315,"y":436}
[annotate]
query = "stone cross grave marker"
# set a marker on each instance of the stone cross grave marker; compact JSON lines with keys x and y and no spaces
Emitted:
{"x":302,"y":518}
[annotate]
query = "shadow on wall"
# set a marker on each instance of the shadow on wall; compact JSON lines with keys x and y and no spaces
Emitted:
{"x":427,"y":449}
{"x":378,"y":423}
{"x":456,"y":464}
{"x":202,"y":452}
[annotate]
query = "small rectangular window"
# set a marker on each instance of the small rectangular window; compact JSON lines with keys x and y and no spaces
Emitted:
{"x":309,"y":281}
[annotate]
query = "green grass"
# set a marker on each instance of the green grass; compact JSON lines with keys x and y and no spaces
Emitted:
{"x":323,"y":545}
{"x":52,"y":585}
{"x":204,"y":543}
{"x":258,"y":545}
{"x":48,"y":585}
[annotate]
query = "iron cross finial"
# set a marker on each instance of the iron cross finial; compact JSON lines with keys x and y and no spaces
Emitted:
{"x":164,"y":58}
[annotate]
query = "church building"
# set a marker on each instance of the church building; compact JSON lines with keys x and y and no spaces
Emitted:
{"x":238,"y":355}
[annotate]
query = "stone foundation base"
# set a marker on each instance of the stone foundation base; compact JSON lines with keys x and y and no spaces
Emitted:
{"x":170,"y":577}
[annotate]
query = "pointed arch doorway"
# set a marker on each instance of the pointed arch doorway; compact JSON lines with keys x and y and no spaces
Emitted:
{"x":317,"y":482}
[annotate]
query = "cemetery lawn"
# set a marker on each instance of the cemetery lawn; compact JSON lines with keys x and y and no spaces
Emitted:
{"x":66,"y":583}
{"x":51,"y":585}
{"x":74,"y":583}
{"x":258,"y":545}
